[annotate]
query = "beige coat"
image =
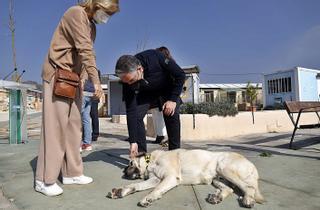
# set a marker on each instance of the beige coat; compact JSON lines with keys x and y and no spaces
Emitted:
{"x":71,"y":47}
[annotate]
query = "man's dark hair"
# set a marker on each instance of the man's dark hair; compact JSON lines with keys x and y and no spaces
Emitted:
{"x":126,"y":64}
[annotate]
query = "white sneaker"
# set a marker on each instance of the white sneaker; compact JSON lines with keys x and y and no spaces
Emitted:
{"x":48,"y":190}
{"x":77,"y":180}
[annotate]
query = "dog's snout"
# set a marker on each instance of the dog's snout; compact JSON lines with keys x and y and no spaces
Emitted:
{"x":125,"y":169}
{"x":131,"y":172}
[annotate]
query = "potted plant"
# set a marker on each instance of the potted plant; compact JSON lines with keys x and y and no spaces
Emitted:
{"x":252,"y":93}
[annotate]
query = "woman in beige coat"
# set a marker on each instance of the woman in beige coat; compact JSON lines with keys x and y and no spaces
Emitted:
{"x":71,"y":48}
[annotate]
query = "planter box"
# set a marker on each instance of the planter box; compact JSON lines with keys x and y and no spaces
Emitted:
{"x":215,"y":128}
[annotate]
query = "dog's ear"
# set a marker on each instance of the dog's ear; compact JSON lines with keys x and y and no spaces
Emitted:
{"x":139,"y":155}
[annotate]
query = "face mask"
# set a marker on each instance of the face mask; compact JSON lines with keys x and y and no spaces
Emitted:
{"x":101,"y":16}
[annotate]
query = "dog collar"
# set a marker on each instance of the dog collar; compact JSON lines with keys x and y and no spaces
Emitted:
{"x":147,"y":158}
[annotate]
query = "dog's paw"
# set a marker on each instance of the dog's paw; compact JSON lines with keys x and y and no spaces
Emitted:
{"x":115,"y":193}
{"x":214,"y":198}
{"x":248,"y":202}
{"x":164,"y":143}
{"x":145,"y":202}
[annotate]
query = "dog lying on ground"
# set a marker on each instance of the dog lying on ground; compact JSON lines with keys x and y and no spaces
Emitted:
{"x":164,"y":170}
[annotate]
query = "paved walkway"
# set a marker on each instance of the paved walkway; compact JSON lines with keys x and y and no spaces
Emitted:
{"x":290,"y":179}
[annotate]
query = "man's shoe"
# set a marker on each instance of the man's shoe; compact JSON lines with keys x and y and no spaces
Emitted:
{"x":159,"y":139}
{"x":86,"y":147}
{"x":48,"y":190}
{"x":77,"y":180}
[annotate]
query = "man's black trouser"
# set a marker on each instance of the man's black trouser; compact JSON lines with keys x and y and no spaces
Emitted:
{"x":172,"y":126}
{"x":95,"y":119}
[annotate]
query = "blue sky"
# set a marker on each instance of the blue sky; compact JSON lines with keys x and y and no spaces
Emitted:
{"x":231,"y":40}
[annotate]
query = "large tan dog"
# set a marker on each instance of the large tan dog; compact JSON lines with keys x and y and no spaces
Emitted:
{"x":164,"y":170}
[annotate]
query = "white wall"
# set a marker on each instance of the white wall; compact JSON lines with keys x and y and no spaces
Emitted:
{"x":210,"y":128}
{"x":318,"y":82}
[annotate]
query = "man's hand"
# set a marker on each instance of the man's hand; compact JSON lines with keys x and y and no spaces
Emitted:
{"x":97,"y":91}
{"x":169,"y":107}
{"x":133,"y":151}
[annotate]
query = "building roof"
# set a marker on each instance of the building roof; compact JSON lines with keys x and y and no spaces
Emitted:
{"x":228,"y":86}
{"x":191,"y":69}
{"x":15,"y":85}
{"x":292,"y":69}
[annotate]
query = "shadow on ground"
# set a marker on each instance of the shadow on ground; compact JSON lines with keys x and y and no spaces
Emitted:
{"x":268,"y":139}
{"x":261,"y":150}
{"x":118,"y":137}
{"x":115,"y":136}
{"x":111,"y":156}
{"x":301,"y":143}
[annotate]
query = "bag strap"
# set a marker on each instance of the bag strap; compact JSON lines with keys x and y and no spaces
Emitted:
{"x":55,"y":66}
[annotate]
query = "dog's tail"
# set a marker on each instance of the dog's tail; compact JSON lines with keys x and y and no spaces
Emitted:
{"x":258,"y":196}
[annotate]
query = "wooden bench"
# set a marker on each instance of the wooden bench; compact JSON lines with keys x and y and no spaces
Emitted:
{"x":299,"y":107}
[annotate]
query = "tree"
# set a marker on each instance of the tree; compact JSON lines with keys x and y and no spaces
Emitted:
{"x":252,"y":93}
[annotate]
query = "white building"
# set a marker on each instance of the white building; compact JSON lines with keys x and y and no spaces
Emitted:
{"x":190,"y":92}
{"x":235,"y":93}
{"x":296,"y":84}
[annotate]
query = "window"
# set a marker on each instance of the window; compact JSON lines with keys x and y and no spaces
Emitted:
{"x":243,"y":93}
{"x":289,"y":84}
{"x":281,"y":85}
{"x":209,"y":96}
{"x":232,"y":96}
{"x":273,"y":86}
{"x":285,"y":84}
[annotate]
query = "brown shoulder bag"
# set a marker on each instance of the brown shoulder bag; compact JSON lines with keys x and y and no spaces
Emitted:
{"x":66,"y":83}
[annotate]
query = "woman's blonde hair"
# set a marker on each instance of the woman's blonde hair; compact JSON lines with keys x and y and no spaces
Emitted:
{"x":110,"y":6}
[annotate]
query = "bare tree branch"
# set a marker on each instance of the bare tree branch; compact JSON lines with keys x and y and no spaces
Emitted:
{"x":12,"y":29}
{"x":142,"y":44}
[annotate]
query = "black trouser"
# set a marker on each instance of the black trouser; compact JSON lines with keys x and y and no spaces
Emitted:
{"x":172,"y":126}
{"x":95,"y":120}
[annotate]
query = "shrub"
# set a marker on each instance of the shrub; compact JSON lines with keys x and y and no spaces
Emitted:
{"x":220,"y":109}
{"x":186,"y":108}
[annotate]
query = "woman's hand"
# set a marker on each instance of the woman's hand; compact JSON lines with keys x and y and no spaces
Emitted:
{"x":98,"y":92}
